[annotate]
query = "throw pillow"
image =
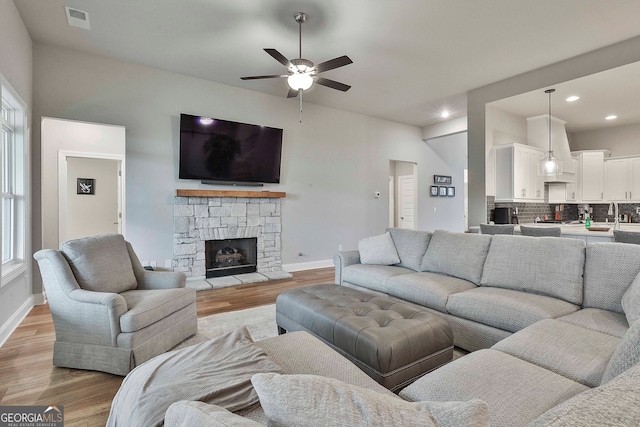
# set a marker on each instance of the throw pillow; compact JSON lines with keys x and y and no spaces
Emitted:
{"x":627,"y":354}
{"x":378,"y":250}
{"x":631,"y":301}
{"x":309,"y":400}
{"x":193,"y":413}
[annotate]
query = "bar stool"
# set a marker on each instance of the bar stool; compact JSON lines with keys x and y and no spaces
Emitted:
{"x":540,"y":231}
{"x":496,"y":228}
{"x":626,"y":237}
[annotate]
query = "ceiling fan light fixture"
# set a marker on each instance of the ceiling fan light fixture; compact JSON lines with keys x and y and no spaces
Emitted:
{"x":206,"y":120}
{"x":300,"y":81}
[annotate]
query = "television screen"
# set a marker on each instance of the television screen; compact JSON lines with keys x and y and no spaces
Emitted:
{"x":220,"y":150}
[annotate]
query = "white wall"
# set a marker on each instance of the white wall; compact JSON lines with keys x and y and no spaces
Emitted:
{"x":332,"y":162}
{"x":15,"y":65}
{"x":620,"y":140}
{"x":59,"y":135}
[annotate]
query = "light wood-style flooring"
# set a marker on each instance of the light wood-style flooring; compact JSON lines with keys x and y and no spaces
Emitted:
{"x":27,"y":376}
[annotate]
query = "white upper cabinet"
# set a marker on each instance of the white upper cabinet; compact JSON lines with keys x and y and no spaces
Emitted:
{"x":622,"y":179}
{"x":591,"y":176}
{"x":516,"y":173}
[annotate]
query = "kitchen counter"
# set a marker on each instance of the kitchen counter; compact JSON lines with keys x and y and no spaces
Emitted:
{"x":578,"y":231}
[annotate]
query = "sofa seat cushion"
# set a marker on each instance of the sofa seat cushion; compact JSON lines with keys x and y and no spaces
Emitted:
{"x":457,"y":254}
{"x":574,"y":352}
{"x":372,"y":276}
{"x":411,"y":246}
{"x":100,"y":263}
{"x":615,"y":403}
{"x":506,"y":309}
{"x":430,"y":290}
{"x":540,"y":265}
{"x":605,"y":321}
{"x":190,"y":413}
{"x":515,"y":391}
{"x":149,"y":306}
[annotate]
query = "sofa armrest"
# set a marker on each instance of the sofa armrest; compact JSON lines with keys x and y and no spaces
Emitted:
{"x":160,"y":279}
{"x":343,"y":259}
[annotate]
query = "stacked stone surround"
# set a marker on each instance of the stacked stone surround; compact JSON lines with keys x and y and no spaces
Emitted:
{"x":198,"y":219}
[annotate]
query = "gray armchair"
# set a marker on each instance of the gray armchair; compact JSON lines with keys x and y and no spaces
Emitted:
{"x":109,"y":313}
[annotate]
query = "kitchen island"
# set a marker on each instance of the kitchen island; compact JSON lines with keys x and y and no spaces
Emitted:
{"x":579,"y":231}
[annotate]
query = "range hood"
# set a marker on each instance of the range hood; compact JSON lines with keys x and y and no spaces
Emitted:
{"x":538,"y":136}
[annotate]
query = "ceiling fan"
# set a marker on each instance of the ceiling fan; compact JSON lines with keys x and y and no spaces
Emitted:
{"x":302,"y":73}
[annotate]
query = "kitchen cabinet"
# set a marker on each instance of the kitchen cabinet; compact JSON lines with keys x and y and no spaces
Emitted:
{"x":591,"y":176}
{"x":563,"y":192}
{"x":622,"y":179}
{"x":516,"y":173}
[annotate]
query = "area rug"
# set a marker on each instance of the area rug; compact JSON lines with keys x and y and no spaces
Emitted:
{"x":260,"y":321}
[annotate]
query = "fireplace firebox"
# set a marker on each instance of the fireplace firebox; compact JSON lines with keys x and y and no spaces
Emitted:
{"x":231,"y":256}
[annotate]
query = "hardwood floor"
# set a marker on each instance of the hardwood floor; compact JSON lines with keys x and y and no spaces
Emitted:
{"x":27,"y":376}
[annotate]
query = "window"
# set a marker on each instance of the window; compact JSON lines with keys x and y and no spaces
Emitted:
{"x":13,"y":183}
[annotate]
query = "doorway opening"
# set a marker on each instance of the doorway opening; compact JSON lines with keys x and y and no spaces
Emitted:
{"x":91,"y":195}
{"x":403,"y":194}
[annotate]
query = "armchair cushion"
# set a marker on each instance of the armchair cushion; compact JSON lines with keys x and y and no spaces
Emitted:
{"x":146,"y":307}
{"x":100,"y":263}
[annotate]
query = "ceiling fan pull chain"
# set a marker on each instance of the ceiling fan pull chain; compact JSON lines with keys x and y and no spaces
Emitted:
{"x":300,"y":93}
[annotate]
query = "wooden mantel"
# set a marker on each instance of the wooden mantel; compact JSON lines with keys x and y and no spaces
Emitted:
{"x":227,"y":193}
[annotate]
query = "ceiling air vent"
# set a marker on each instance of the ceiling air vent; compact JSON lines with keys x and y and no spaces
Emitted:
{"x":77,"y":18}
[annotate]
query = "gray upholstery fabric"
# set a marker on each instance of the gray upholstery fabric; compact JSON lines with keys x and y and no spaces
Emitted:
{"x":472,"y":336}
{"x":515,"y":391}
{"x":146,"y":307}
{"x":457,"y":254}
{"x":616,"y":403}
{"x":545,"y":266}
{"x":100,"y":263}
{"x":631,"y":301}
{"x":627,"y":354}
{"x":299,"y":400}
{"x":343,"y":259}
{"x":194,"y":414}
{"x":540,"y":231}
{"x":217,"y":371}
{"x":496,"y":228}
{"x":411,"y":246}
{"x":607,"y":322}
{"x":392,"y":342}
{"x":505,"y":308}
{"x":626,"y":237}
{"x":88,"y":326}
{"x":610,"y":269}
{"x":576,"y":353}
{"x":372,"y":276}
{"x":154,"y":279}
{"x":427,"y":289}
{"x":378,"y":250}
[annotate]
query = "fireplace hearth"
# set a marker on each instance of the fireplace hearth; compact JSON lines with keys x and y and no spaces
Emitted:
{"x":230,"y":257}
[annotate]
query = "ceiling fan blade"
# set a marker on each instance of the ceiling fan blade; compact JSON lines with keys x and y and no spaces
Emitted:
{"x":292,"y":93}
{"x":332,"y":84}
{"x":333,"y":63}
{"x":279,"y":57}
{"x":272,"y":76}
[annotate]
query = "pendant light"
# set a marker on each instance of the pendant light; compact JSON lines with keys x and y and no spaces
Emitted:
{"x":549,"y":165}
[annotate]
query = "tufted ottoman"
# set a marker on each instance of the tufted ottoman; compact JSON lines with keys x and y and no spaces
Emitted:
{"x":393,"y":342}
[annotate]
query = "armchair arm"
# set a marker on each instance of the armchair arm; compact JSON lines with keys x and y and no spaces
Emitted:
{"x":154,"y":279}
{"x":343,"y":259}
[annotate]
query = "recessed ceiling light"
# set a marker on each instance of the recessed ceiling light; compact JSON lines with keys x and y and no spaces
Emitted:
{"x":611,"y":117}
{"x":573,"y":98}
{"x":445,"y":114}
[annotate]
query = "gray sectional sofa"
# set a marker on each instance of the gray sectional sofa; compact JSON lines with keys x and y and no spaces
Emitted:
{"x":542,"y":316}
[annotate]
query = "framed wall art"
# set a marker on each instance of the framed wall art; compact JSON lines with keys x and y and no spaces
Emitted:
{"x":86,"y":186}
{"x":434,"y":191}
{"x":451,"y":191}
{"x":443,"y":191}
{"x":441,"y":179}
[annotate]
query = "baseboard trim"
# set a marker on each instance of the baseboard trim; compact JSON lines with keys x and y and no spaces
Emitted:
{"x":312,"y":265}
{"x":14,"y":321}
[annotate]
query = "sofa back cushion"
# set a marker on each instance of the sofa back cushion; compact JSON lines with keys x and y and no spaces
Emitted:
{"x":627,"y":354}
{"x":609,"y":270}
{"x":550,"y":266}
{"x":457,"y":254}
{"x":100,"y":263}
{"x":411,"y":246}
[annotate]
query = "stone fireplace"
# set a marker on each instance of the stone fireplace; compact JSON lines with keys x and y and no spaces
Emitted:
{"x":206,"y":222}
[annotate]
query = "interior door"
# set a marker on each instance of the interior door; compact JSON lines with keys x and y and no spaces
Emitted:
{"x":93,"y":198}
{"x":406,"y":201}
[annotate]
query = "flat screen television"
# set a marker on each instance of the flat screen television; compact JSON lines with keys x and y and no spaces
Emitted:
{"x":228,"y":152}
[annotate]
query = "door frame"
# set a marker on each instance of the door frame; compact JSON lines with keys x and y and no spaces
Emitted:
{"x":63,"y":155}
